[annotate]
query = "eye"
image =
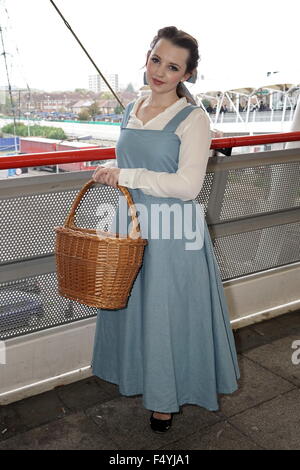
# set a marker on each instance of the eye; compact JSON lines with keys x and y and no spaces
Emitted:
{"x":175,"y":69}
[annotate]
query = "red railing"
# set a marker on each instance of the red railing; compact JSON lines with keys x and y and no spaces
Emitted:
{"x":86,"y":155}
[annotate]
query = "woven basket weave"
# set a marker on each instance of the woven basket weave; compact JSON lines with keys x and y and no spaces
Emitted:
{"x":98,"y":272}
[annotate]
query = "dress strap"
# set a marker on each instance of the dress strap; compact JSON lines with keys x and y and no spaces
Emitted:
{"x":126,"y":114}
{"x":180,"y":116}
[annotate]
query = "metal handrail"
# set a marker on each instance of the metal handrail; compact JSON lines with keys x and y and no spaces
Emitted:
{"x":85,"y":155}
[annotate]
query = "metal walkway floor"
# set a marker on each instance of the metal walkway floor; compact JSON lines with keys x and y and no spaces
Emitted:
{"x":264,"y":413}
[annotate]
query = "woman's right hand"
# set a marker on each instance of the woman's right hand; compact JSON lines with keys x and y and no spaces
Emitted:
{"x":106,"y":175}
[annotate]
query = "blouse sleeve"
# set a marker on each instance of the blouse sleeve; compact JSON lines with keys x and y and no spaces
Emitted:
{"x":187,"y":182}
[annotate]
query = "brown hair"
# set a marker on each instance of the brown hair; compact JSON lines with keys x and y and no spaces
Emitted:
{"x":181,"y":39}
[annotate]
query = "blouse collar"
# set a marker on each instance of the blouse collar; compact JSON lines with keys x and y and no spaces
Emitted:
{"x":181,"y":102}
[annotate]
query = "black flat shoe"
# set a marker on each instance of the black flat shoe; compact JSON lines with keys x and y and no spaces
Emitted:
{"x":160,"y":425}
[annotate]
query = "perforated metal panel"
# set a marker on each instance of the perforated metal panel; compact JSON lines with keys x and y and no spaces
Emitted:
{"x":258,"y":250}
{"x":27,"y":222}
{"x":98,"y":203}
{"x":33,"y":304}
{"x":203,"y":196}
{"x":261,"y":189}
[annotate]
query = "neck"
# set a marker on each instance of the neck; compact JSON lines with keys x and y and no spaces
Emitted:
{"x":162,"y":100}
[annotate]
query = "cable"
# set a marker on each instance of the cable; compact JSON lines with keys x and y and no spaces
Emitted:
{"x":20,"y":61}
{"x":8,"y":81}
{"x":69,"y":27}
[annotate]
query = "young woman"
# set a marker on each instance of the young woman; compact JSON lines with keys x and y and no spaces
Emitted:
{"x":173,"y":342}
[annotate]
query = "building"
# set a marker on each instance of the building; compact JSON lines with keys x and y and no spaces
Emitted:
{"x":81,"y":105}
{"x":98,"y":85}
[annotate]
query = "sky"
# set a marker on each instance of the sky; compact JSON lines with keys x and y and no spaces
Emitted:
{"x":236,"y":39}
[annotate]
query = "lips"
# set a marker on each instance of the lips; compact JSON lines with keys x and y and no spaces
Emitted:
{"x":158,"y":82}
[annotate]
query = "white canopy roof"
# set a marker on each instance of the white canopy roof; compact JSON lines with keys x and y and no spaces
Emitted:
{"x":279,"y":81}
{"x":282,"y":81}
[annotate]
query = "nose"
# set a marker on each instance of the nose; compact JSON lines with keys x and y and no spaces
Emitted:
{"x":159,"y":73}
{"x":159,"y":70}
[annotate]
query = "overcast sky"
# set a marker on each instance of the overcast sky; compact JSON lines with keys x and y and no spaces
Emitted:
{"x":236,"y":39}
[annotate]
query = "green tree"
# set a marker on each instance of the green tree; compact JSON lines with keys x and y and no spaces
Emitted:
{"x":107,"y":95}
{"x":130,"y":88}
{"x":21,"y":129}
{"x":55,"y":133}
{"x":93,"y":110}
{"x":84,"y":115}
{"x":35,"y":131}
{"x":81,"y":90}
{"x":118,"y":110}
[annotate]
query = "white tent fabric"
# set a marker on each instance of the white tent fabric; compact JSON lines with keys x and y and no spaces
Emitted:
{"x":280,"y":82}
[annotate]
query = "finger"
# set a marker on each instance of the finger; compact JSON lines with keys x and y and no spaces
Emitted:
{"x":112,"y":180}
{"x":108,"y":181}
{"x":99,"y":178}
{"x":100,"y":172}
{"x":97,"y":168}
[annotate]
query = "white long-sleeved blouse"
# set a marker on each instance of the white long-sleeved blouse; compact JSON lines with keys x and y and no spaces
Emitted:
{"x":195,"y":136}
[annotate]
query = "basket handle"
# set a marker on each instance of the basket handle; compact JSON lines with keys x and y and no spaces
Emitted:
{"x":135,"y":231}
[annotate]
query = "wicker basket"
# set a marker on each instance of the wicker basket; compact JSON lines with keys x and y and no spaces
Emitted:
{"x":96,"y":271}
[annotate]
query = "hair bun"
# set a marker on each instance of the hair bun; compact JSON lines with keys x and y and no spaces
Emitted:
{"x":172,"y":29}
{"x":168,"y":31}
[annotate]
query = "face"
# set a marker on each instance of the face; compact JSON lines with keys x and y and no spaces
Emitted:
{"x":167,"y":63}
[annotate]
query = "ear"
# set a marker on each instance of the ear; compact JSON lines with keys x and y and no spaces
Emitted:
{"x":187,"y":75}
{"x":190,"y":74}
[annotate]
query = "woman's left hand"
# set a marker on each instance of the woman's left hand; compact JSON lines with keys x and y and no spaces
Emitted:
{"x":109,"y":176}
{"x":216,"y":134}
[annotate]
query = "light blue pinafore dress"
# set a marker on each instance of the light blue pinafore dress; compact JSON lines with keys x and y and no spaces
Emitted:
{"x":173,"y":343}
